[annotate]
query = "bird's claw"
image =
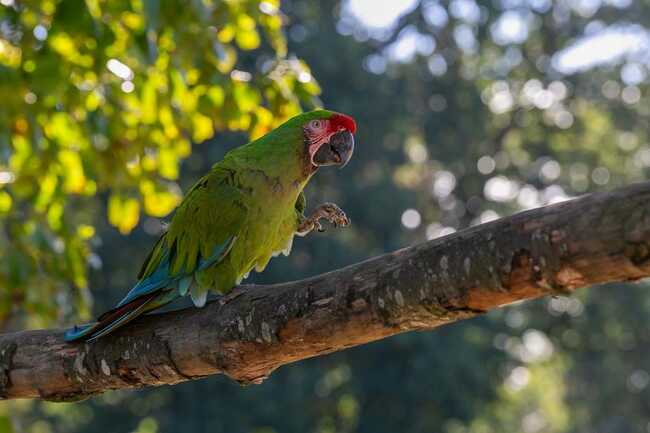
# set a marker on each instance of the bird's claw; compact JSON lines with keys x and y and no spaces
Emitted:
{"x":334,"y":215}
{"x":327,"y":211}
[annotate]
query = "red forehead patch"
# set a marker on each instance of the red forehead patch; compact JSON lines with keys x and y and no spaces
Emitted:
{"x":346,"y":122}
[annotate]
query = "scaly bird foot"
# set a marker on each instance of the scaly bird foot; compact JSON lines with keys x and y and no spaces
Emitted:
{"x":327,"y":211}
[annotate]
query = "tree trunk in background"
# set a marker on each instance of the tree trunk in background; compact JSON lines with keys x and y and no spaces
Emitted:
{"x":598,"y":238}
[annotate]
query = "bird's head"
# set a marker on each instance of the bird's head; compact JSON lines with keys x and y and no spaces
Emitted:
{"x":318,"y":138}
{"x":328,"y":137}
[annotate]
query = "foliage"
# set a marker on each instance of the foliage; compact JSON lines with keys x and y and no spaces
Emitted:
{"x":108,"y":97}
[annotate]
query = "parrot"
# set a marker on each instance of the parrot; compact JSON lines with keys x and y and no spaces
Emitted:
{"x":244,"y":211}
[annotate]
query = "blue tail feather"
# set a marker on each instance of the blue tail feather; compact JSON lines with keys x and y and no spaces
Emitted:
{"x":148,"y":294}
{"x":119,"y":322}
{"x":79,"y":331}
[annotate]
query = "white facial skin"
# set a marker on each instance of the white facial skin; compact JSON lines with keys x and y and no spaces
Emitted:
{"x":319,"y":132}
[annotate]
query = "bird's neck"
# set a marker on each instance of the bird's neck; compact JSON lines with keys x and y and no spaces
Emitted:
{"x":272,"y":176}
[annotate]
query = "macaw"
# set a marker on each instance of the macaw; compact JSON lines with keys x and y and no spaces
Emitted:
{"x":245,"y":211}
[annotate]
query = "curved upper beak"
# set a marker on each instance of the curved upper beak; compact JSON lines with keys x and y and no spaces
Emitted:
{"x":337,"y":151}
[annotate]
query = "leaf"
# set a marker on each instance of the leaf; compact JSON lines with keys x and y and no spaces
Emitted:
{"x":5,"y":202}
{"x":158,"y":201}
{"x":168,"y":163}
{"x":202,"y":128}
{"x":75,"y":180}
{"x":86,"y":231}
{"x":246,"y":98}
{"x":123,"y":213}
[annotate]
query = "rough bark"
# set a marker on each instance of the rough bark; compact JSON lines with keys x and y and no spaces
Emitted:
{"x":598,"y":238}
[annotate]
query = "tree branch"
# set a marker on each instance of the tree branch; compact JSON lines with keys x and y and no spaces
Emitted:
{"x":598,"y":238}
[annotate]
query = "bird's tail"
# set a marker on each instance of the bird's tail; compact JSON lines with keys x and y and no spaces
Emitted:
{"x":119,"y":316}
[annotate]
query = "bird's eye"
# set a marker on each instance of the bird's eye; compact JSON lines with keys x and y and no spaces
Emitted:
{"x":316,"y":124}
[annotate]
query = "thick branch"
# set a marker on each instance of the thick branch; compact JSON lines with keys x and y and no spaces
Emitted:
{"x":598,"y":238}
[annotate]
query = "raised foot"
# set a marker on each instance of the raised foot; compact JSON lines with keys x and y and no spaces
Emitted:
{"x":327,"y":211}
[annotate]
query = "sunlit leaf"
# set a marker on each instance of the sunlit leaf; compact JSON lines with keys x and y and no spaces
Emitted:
{"x":5,"y":202}
{"x":158,"y":201}
{"x":202,"y":127}
{"x":123,"y":212}
{"x":86,"y":231}
{"x":75,"y":180}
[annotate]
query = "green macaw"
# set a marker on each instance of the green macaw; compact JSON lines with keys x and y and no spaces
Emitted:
{"x":245,"y":211}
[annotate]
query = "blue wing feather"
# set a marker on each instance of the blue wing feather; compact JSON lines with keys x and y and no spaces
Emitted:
{"x":158,"y":279}
{"x":162,"y":278}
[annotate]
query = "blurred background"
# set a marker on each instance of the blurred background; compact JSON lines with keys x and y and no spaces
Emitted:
{"x":467,"y":111}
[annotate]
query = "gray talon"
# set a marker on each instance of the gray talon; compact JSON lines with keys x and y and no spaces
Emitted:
{"x":327,"y":211}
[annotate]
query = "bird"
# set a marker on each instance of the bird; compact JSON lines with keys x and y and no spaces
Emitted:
{"x":244,"y":211}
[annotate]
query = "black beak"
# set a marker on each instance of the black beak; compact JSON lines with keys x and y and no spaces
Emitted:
{"x":337,"y":152}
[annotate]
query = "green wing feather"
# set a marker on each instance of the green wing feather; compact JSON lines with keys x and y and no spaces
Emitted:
{"x":201,"y":234}
{"x":212,"y":213}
